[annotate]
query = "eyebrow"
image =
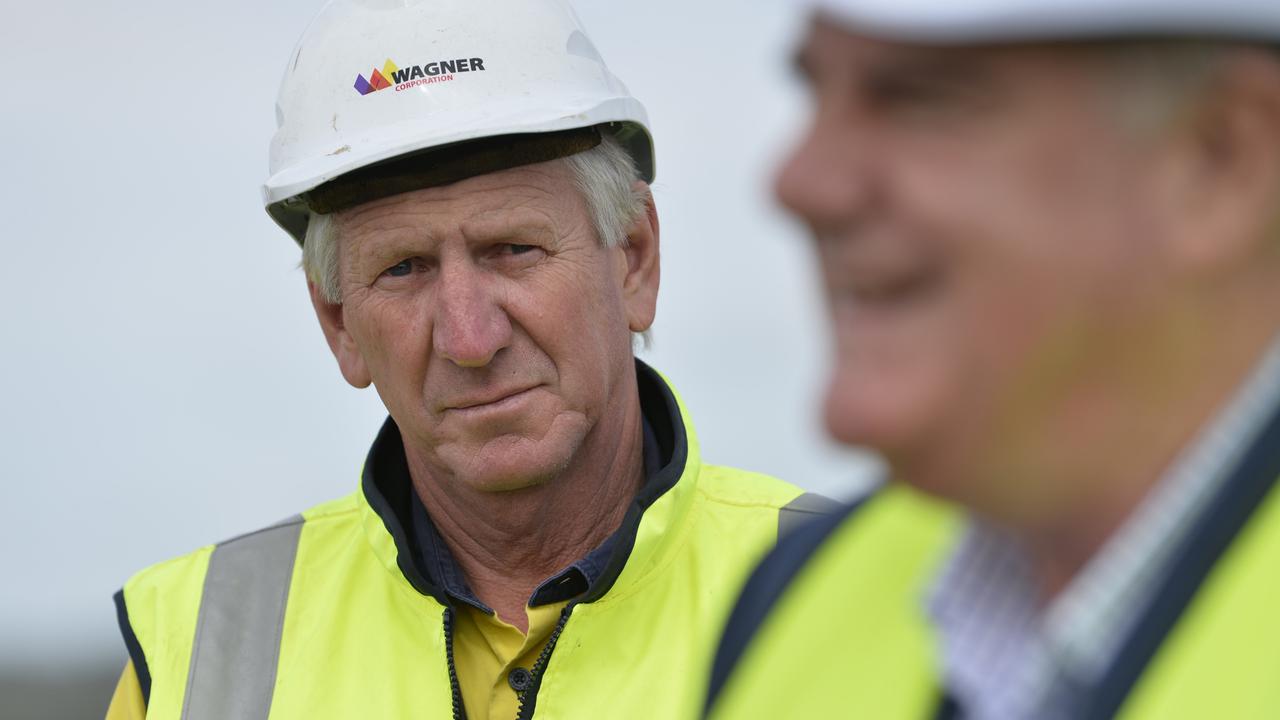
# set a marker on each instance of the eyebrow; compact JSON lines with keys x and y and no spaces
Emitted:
{"x":944,"y":70}
{"x":507,"y":225}
{"x":372,"y":254}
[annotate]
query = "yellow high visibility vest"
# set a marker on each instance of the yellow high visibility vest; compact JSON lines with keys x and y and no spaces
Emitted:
{"x":833,"y":624}
{"x":322,"y":616}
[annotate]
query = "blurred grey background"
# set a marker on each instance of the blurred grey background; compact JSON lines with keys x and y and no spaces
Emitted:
{"x":163,"y":382}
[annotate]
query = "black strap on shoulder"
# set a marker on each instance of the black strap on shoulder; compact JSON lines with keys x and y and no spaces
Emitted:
{"x":768,"y":583}
{"x":948,"y":708}
{"x":134,"y":647}
{"x":1208,"y":541}
{"x":804,"y":509}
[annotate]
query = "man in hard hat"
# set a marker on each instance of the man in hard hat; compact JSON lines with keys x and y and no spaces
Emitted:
{"x":1049,"y":232}
{"x":535,"y":533}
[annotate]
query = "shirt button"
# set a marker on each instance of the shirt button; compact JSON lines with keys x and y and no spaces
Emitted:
{"x":519,"y":679}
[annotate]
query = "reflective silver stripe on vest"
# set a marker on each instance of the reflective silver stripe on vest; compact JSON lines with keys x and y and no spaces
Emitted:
{"x":237,"y":644}
{"x":804,"y":508}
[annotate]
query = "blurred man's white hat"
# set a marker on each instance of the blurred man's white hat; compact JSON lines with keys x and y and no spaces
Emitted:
{"x":976,"y":21}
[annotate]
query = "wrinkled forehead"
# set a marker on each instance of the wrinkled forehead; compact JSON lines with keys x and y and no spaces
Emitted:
{"x":841,"y":62}
{"x":959,"y":22}
{"x":533,"y":198}
{"x":1132,"y":74}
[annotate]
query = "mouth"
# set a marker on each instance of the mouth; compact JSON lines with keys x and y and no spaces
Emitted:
{"x":489,"y":401}
{"x":878,"y":270}
{"x":885,"y":289}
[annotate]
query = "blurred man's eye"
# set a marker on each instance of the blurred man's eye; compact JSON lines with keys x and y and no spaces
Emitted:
{"x":912,"y":93}
{"x":929,"y":85}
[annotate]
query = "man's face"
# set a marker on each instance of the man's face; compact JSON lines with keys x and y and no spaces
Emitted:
{"x":984,"y":225}
{"x":494,"y":326}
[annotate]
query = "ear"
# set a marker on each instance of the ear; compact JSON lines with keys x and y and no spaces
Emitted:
{"x":643,"y":271}
{"x":1232,"y":170}
{"x":344,"y":347}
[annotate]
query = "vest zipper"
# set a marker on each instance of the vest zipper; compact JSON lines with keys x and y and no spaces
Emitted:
{"x":459,"y":712}
{"x":529,"y":698}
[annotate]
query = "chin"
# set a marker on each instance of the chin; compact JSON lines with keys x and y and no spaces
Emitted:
{"x":873,"y":413}
{"x":504,"y":483}
{"x":898,"y":426}
{"x":512,"y":466}
{"x":927,"y":472}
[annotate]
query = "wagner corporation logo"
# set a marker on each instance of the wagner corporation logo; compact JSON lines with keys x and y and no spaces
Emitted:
{"x":377,"y":80}
{"x":433,"y":72}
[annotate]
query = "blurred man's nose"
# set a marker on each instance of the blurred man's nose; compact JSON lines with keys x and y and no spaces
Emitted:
{"x":826,"y":179}
{"x":470,"y":323}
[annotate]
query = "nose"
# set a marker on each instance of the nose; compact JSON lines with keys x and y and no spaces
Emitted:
{"x":827,"y":180}
{"x":470,"y":323}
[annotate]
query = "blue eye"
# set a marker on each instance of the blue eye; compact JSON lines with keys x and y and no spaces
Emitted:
{"x":400,"y":269}
{"x":519,"y":249}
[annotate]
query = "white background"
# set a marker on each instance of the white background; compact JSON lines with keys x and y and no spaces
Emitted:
{"x":163,"y":383}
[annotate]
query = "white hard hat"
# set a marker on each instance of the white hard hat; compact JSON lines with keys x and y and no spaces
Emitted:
{"x":373,"y":85}
{"x":976,"y":21}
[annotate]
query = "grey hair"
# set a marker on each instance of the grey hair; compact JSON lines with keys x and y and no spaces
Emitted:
{"x":605,"y":175}
{"x":1156,"y":81}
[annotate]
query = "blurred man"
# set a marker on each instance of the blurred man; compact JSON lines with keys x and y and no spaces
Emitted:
{"x":535,"y":533}
{"x":1048,"y":231}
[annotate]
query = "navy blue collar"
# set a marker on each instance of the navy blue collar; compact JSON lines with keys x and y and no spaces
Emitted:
{"x":1251,"y":483}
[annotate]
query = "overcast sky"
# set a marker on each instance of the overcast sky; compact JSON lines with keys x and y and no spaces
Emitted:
{"x":163,"y":382}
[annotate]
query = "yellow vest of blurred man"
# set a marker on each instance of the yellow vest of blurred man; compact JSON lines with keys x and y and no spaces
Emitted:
{"x":834,"y":623}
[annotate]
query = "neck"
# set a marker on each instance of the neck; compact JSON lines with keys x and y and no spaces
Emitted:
{"x":1107,"y":461}
{"x":508,"y":543}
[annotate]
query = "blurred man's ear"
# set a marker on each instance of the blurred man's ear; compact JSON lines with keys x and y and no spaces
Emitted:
{"x":344,"y":347}
{"x":1232,"y":171}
